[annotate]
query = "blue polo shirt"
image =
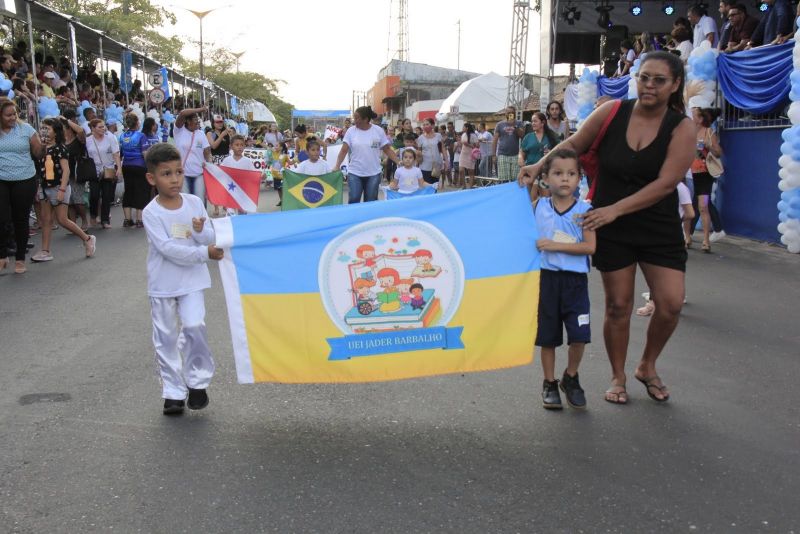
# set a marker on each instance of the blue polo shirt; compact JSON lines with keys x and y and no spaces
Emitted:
{"x":16,"y":163}
{"x":131,"y":145}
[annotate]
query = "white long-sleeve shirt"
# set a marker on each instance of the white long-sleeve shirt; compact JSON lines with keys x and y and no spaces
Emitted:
{"x":177,"y":255}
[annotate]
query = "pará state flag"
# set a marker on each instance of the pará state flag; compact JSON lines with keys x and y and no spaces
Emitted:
{"x":383,"y":290}
{"x":232,"y":188}
{"x":302,"y":191}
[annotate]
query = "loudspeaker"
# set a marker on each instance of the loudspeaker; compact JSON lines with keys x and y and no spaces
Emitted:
{"x":577,"y":48}
{"x":614,"y":37}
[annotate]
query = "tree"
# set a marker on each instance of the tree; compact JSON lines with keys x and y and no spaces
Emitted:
{"x":134,"y":22}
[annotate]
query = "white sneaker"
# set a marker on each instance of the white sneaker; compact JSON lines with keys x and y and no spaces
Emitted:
{"x":90,"y":245}
{"x":42,"y":255}
{"x":716,"y":236}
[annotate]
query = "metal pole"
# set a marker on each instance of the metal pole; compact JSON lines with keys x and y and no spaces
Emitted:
{"x":144,"y":84}
{"x":172,"y":89}
{"x":202,"y":69}
{"x":33,"y":60}
{"x":73,"y":54}
{"x":103,"y":75}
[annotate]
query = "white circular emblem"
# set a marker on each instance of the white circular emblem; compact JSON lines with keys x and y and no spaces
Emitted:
{"x":390,"y":274}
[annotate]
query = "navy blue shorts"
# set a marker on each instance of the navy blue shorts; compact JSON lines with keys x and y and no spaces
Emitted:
{"x":563,"y":302}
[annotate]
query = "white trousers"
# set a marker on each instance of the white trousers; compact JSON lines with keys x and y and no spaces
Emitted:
{"x":182,"y":353}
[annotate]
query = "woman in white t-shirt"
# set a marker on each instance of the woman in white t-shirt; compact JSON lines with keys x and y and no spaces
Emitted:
{"x":273,"y":138}
{"x":434,"y":154}
{"x":103,"y":148}
{"x":194,"y":149}
{"x":364,"y":143}
{"x":626,"y":58}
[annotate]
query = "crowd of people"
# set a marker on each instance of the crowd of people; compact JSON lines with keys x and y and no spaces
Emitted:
{"x":736,"y":30}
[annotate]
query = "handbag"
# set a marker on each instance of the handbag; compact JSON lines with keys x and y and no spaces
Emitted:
{"x":476,"y":154}
{"x":714,"y":165}
{"x":108,"y":173}
{"x":85,"y":171}
{"x":590,"y":160}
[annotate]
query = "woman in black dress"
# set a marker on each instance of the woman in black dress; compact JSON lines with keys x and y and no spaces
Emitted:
{"x":646,"y":151}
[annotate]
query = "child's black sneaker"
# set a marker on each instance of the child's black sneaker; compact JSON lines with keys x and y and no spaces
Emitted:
{"x":173,"y":407}
{"x":551,"y":398}
{"x":198,"y":399}
{"x":573,"y":391}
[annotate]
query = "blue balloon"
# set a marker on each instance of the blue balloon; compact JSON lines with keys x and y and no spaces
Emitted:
{"x":782,"y":217}
{"x":6,"y":84}
{"x":786,"y":148}
{"x":10,"y":94}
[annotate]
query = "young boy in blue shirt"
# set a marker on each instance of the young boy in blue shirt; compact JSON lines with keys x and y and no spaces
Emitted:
{"x":564,"y":290}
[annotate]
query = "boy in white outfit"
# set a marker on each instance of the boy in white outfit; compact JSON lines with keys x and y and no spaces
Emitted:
{"x":179,"y":246}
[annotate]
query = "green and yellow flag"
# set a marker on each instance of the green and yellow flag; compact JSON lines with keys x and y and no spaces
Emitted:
{"x":301,"y":191}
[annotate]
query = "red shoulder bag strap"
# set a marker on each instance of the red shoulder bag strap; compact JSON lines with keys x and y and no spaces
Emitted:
{"x":597,"y":140}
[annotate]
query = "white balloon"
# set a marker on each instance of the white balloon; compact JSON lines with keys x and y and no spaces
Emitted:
{"x":783,"y":185}
{"x":782,"y":227}
{"x":784,"y":160}
{"x":794,"y":248}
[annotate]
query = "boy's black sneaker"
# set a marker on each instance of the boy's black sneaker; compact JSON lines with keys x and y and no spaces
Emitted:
{"x":573,"y":391}
{"x":173,"y":407}
{"x":551,"y":398}
{"x":198,"y":399}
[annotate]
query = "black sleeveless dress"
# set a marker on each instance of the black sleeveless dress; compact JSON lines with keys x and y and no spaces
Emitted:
{"x":652,"y":235}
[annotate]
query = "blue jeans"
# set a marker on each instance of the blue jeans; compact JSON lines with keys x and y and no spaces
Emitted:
{"x":368,"y":185}
{"x":194,"y":185}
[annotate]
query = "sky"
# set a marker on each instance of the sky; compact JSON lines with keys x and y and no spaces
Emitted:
{"x":325,"y":50}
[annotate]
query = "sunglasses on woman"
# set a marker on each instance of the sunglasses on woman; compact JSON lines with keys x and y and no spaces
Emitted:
{"x":658,"y":81}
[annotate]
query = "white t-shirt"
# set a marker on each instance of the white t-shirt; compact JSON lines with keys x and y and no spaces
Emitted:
{"x":316,"y":168}
{"x":703,"y":27}
{"x":102,"y":152}
{"x":193,"y":162}
{"x":177,"y":255}
{"x":408,"y":179}
{"x":245,"y":164}
{"x":365,"y":150}
{"x":430,"y":151}
{"x":684,"y":197}
{"x":685,"y":48}
{"x":485,"y":140}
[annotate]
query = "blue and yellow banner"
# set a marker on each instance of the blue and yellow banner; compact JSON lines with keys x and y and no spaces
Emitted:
{"x":436,"y":284}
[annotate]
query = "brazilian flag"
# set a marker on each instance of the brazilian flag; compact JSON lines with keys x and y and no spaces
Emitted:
{"x":301,"y":191}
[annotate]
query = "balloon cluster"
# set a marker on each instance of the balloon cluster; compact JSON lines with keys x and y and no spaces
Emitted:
{"x":702,"y":70}
{"x":230,"y":123}
{"x":48,"y":107}
{"x":153,"y":114}
{"x":168,"y":117}
{"x":113,"y":113}
{"x":789,"y":206}
{"x":6,"y":86}
{"x":587,"y":94}
{"x":136,"y":109}
{"x":84,"y":105}
{"x":633,"y":91}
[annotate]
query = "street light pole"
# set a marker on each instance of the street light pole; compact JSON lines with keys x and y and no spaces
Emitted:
{"x":237,"y":55}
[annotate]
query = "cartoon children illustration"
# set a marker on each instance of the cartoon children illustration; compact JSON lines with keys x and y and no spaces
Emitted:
{"x":404,"y":287}
{"x":365,"y":298}
{"x":390,"y":299}
{"x":424,"y":267}
{"x":417,"y":301}
{"x":367,"y":254}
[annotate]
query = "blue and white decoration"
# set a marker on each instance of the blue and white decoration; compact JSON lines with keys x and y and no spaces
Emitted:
{"x":6,"y":86}
{"x":633,"y":91}
{"x":789,"y":206}
{"x":701,"y":76}
{"x":48,"y":107}
{"x":587,"y":94}
{"x":84,"y":105}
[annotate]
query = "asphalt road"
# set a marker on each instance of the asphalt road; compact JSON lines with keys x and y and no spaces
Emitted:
{"x":84,"y":447}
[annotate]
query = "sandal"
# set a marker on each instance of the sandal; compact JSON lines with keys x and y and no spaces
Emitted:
{"x":706,"y":247}
{"x":648,"y":383}
{"x":3,"y":263}
{"x":620,"y":396}
{"x":646,"y":310}
{"x":19,"y":267}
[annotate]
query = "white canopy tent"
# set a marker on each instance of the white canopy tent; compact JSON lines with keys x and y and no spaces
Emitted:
{"x":260,"y":112}
{"x":482,"y":95}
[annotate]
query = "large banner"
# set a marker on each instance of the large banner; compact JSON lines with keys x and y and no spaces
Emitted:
{"x":432,"y":285}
